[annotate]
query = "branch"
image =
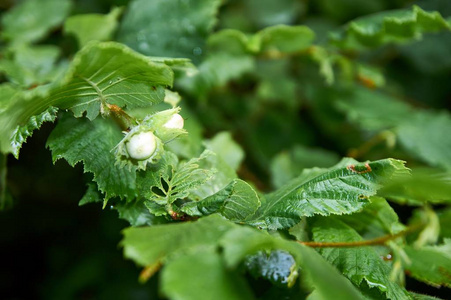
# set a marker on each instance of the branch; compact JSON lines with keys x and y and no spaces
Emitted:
{"x":377,"y":241}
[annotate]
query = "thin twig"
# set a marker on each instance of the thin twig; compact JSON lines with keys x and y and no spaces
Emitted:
{"x":377,"y":241}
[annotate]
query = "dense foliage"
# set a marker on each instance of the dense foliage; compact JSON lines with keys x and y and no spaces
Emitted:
{"x":216,"y":130}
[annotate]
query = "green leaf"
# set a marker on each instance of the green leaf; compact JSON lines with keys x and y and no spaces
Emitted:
{"x":150,"y":245}
{"x":179,"y":179}
{"x":329,"y":284}
{"x":80,"y":140}
{"x":31,"y":20}
{"x":425,"y":185}
{"x":267,"y":12}
{"x":289,"y":164}
{"x":402,"y":25}
{"x":342,"y":189}
{"x":100,"y":75}
{"x":8,"y":92}
{"x":32,"y":65}
{"x":358,"y":264}
{"x":189,"y":241}
{"x":111,"y":73}
{"x":224,"y":146}
{"x":208,"y":279}
{"x":171,"y":28}
{"x":369,"y":108}
{"x":21,"y":133}
{"x":137,"y":214}
{"x":376,"y":219}
{"x":285,"y":39}
{"x":92,"y":195}
{"x":216,"y":71}
{"x":416,"y":296}
{"x":423,"y":136}
{"x":431,"y":264}
{"x":236,"y":202}
{"x":93,"y":27}
{"x":232,"y":41}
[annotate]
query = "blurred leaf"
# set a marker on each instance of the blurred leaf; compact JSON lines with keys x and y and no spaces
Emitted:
{"x":150,"y":245}
{"x":376,"y":219}
{"x":289,"y":164}
{"x":425,"y":135}
{"x":208,"y":279}
{"x":342,"y":189}
{"x":31,"y":20}
{"x":268,"y":13}
{"x":216,"y":71}
{"x":416,"y":296}
{"x":343,"y":10}
{"x":285,"y":39}
{"x":224,"y":146}
{"x":425,"y":185}
{"x":431,"y":264}
{"x":445,"y":222}
{"x":101,"y":74}
{"x":92,"y":27}
{"x":362,"y":263}
{"x":172,"y":28}
{"x":231,"y":41}
{"x":369,"y":108}
{"x":241,"y":241}
{"x":137,"y":214}
{"x":80,"y":140}
{"x":403,"y":25}
{"x":432,"y":54}
{"x":237,"y":201}
{"x":92,"y":195}
{"x":32,"y":65}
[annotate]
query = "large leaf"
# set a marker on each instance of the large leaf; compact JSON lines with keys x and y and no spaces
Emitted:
{"x":342,"y":189}
{"x":208,"y":279}
{"x":431,"y":264}
{"x":32,"y":65}
{"x":79,"y":140}
{"x":289,"y":164}
{"x":358,"y":264}
{"x":329,"y":284}
{"x":21,"y":133}
{"x":390,"y":26}
{"x":229,"y":150}
{"x":425,"y":136}
{"x":425,"y":185}
{"x":180,"y":242}
{"x":92,"y":27}
{"x":285,"y":39}
{"x":236,"y":202}
{"x":151,"y":245}
{"x":31,"y":20}
{"x":172,"y":28}
{"x":376,"y":219}
{"x":100,"y":75}
{"x":174,"y":180}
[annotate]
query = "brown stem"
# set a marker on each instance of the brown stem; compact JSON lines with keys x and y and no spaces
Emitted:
{"x":124,"y":120}
{"x":377,"y":241}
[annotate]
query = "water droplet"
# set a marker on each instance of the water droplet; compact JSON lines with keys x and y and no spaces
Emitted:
{"x":111,"y":206}
{"x":110,"y":82}
{"x":197,"y":51}
{"x":143,"y":46}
